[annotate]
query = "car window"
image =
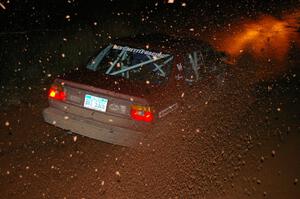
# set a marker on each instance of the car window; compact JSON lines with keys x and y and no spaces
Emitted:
{"x":201,"y":62}
{"x":132,"y":63}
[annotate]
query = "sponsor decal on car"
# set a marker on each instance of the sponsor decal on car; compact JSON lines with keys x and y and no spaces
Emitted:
{"x":135,"y":50}
{"x":117,"y":108}
{"x":167,"y":110}
{"x":179,"y":66}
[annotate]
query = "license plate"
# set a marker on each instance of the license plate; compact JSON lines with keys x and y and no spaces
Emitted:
{"x":95,"y":103}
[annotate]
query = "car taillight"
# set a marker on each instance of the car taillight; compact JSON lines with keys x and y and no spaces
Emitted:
{"x":57,"y":92}
{"x":141,"y":113}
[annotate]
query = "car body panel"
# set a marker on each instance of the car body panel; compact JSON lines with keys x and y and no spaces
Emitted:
{"x":89,"y":127}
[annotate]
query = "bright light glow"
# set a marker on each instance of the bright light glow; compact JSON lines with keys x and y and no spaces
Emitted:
{"x":52,"y":93}
{"x":265,"y":37}
{"x":141,"y":113}
{"x":148,"y":116}
{"x":57,"y":93}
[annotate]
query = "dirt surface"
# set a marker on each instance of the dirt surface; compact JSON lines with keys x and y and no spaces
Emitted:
{"x":238,"y":140}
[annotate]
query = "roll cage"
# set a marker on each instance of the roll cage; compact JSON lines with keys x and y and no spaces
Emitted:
{"x":125,"y":61}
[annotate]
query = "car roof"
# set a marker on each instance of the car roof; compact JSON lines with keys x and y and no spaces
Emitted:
{"x":163,"y":43}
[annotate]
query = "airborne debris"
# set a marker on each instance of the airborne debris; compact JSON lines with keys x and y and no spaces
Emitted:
{"x":75,"y":138}
{"x":7,"y":123}
{"x":265,"y":194}
{"x":118,"y":174}
{"x":258,"y":181}
{"x":183,"y":163}
{"x":273,"y":153}
{"x":2,"y":6}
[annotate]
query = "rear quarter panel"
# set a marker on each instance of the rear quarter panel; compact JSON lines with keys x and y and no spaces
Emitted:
{"x":168,"y":97}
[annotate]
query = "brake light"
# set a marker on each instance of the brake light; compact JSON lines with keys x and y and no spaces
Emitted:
{"x":141,"y":113}
{"x":57,"y":92}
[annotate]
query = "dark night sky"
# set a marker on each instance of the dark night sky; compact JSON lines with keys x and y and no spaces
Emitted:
{"x":26,"y":15}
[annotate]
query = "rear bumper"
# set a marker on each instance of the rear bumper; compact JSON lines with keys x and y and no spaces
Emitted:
{"x":92,"y":128}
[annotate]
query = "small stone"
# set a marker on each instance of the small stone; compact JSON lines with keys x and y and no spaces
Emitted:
{"x":273,"y":153}
{"x":118,"y":173}
{"x":269,"y":88}
{"x":75,"y":138}
{"x":7,"y":123}
{"x":265,"y":194}
{"x":296,"y":181}
{"x":190,"y":186}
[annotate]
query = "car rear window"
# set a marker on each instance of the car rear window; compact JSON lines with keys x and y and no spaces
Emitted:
{"x":132,"y":63}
